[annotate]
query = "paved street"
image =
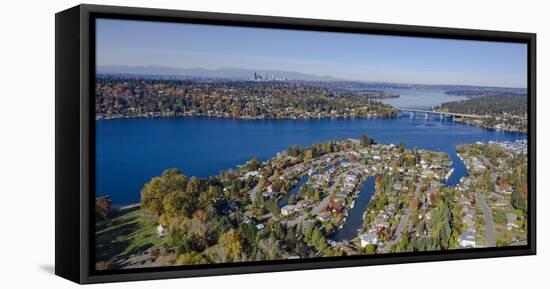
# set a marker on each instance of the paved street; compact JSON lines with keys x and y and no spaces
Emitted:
{"x":489,"y":230}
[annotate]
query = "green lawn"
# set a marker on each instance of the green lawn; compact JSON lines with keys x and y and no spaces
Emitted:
{"x":124,"y":235}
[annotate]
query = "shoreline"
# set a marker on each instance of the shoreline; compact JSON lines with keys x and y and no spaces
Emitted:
{"x":180,"y":115}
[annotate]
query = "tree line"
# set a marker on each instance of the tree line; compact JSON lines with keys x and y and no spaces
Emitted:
{"x":133,"y":97}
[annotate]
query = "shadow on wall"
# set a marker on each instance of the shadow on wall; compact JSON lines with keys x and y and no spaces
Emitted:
{"x":48,"y":268}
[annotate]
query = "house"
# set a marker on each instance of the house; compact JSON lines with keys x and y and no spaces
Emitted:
{"x":260,"y":227}
{"x":251,"y":174}
{"x":233,"y":206}
{"x":161,"y":231}
{"x":289,"y":209}
{"x":368,"y":239}
{"x":381,"y":224}
{"x":397,"y":186}
{"x":305,"y":203}
{"x":269,"y":195}
{"x":467,"y":239}
{"x":249,"y":220}
{"x":335,"y":207}
{"x":386,"y":215}
{"x":324,"y":216}
{"x":511,"y":221}
{"x":340,"y":199}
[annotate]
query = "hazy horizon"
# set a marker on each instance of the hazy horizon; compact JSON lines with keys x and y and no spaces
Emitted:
{"x":283,"y":71}
{"x":346,"y":56}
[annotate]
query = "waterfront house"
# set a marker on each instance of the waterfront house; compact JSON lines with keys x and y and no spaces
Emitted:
{"x":368,"y":239}
{"x":324,"y":216}
{"x":335,"y":207}
{"x":339,"y":198}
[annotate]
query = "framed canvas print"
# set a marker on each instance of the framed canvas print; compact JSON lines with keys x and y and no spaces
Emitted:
{"x":194,"y":144}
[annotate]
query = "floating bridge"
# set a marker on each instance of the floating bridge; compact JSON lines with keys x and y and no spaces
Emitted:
{"x":441,"y":114}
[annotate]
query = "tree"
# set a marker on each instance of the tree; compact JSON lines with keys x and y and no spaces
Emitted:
{"x":294,"y":151}
{"x":179,"y":203}
{"x":193,"y":186}
{"x":308,"y":156}
{"x":103,"y":207}
{"x":154,"y":192}
{"x":191,"y":258}
{"x":518,"y":199}
{"x":206,"y":198}
{"x":414,"y":205}
{"x":317,"y":195}
{"x":365,"y":141}
{"x":272,"y":206}
{"x":258,"y":199}
{"x":178,"y":238}
{"x":402,"y":147}
{"x":270,"y":247}
{"x":370,"y":249}
{"x":232,"y":245}
{"x":253,"y":164}
{"x":247,"y":233}
{"x":318,"y":240}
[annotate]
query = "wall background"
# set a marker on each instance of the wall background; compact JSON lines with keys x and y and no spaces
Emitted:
{"x":27,"y":143}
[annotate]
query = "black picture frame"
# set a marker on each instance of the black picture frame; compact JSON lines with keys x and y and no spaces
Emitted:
{"x":75,"y":141}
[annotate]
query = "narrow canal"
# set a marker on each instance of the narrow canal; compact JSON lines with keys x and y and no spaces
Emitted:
{"x":293,"y":191}
{"x":355,"y":218}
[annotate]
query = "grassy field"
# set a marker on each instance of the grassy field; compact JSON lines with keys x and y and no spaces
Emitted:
{"x":124,"y":235}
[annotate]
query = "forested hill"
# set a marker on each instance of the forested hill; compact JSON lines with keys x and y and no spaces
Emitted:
{"x":137,"y":97}
{"x":488,"y":105}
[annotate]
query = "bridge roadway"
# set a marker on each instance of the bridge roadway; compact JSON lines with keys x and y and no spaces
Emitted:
{"x":441,"y":113}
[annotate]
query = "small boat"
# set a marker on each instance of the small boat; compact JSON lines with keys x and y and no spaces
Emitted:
{"x":352,"y":204}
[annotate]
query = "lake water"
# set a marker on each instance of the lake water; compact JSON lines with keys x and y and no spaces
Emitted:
{"x":419,"y":98}
{"x":129,"y":152}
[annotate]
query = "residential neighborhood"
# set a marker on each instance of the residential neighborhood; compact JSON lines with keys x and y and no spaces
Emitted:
{"x":348,"y":197}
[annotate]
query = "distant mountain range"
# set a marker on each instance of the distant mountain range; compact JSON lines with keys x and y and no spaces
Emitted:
{"x":227,"y":72}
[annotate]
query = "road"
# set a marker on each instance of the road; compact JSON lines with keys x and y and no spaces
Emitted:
{"x":489,"y":230}
{"x":402,"y":223}
{"x":252,"y":193}
{"x":315,"y":211}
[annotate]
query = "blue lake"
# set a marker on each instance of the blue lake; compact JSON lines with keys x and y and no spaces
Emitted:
{"x":129,"y":152}
{"x":419,"y":98}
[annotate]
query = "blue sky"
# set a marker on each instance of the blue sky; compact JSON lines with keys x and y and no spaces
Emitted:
{"x":343,"y":55}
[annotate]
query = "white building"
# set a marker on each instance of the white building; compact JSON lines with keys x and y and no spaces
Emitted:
{"x":368,"y":239}
{"x":467,"y":239}
{"x":289,"y":209}
{"x":161,"y":231}
{"x":511,"y":221}
{"x":251,"y":174}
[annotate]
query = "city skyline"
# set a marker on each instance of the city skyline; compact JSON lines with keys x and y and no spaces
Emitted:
{"x":358,"y":57}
